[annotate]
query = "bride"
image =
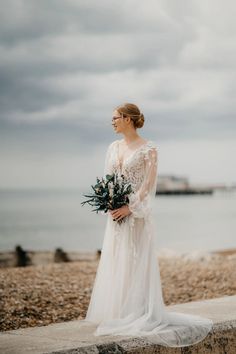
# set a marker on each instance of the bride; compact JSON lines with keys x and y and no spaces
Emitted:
{"x":127,"y":295}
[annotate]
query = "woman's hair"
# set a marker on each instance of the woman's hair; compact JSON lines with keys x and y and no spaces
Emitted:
{"x":130,"y":109}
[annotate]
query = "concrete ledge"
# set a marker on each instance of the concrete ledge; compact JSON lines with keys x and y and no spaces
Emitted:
{"x":66,"y":338}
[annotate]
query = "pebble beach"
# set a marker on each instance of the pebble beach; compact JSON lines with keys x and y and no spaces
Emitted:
{"x":42,"y":294}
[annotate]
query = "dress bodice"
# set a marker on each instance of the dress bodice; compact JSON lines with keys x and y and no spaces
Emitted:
{"x":133,"y":166}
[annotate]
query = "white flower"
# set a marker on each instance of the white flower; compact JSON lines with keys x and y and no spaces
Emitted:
{"x":110,"y":184}
{"x":120,"y":180}
{"x":111,"y":190}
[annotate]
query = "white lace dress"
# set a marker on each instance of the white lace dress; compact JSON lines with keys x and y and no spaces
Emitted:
{"x":127,"y":295}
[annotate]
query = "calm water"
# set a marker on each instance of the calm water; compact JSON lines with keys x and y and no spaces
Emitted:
{"x":44,"y":220}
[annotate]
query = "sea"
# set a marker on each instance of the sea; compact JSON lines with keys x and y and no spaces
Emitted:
{"x":46,"y":219}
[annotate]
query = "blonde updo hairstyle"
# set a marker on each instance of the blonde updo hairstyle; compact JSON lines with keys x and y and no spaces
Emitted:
{"x":130,"y":109}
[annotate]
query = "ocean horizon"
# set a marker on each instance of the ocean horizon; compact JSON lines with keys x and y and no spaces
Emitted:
{"x":44,"y":219}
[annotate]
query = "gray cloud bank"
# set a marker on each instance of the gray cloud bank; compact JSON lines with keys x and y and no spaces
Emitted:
{"x":65,"y":65}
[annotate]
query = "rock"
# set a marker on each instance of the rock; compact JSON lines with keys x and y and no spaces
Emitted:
{"x":61,"y":256}
{"x":21,"y":256}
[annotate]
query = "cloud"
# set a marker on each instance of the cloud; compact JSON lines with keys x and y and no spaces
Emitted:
{"x":65,"y":65}
{"x":61,"y":60}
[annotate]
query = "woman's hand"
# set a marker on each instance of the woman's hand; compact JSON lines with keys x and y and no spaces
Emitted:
{"x":120,"y":213}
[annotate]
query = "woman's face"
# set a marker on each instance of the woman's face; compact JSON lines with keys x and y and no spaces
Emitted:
{"x":118,"y":122}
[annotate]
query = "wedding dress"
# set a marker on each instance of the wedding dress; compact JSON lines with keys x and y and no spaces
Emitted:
{"x":127,"y":295}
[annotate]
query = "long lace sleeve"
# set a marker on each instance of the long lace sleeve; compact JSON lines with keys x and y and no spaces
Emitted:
{"x":140,"y":202}
{"x":107,"y":165}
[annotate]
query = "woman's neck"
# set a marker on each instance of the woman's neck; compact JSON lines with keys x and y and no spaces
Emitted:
{"x":130,"y":137}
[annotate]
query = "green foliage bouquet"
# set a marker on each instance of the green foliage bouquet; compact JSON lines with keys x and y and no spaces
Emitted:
{"x":109,"y":193}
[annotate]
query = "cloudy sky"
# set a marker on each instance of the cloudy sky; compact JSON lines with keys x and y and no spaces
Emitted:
{"x":65,"y":65}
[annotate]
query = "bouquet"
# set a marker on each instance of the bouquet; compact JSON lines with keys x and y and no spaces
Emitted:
{"x":109,"y":193}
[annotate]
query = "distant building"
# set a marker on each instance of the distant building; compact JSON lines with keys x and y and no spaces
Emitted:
{"x":171,"y":182}
{"x":173,"y":185}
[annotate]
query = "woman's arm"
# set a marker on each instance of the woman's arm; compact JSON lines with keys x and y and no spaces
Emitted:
{"x":107,"y":166}
{"x":139,"y":202}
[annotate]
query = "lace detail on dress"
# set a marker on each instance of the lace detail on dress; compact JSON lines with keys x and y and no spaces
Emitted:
{"x":140,"y":170}
{"x":134,"y":166}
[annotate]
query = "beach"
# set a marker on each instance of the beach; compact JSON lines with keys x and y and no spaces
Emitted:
{"x":41,"y":294}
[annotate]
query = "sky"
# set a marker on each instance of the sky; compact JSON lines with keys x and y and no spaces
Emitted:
{"x":66,"y":65}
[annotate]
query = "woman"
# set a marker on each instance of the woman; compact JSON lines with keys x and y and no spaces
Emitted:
{"x":127,"y":295}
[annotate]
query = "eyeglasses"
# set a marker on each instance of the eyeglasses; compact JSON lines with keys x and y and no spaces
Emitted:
{"x":115,"y":118}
